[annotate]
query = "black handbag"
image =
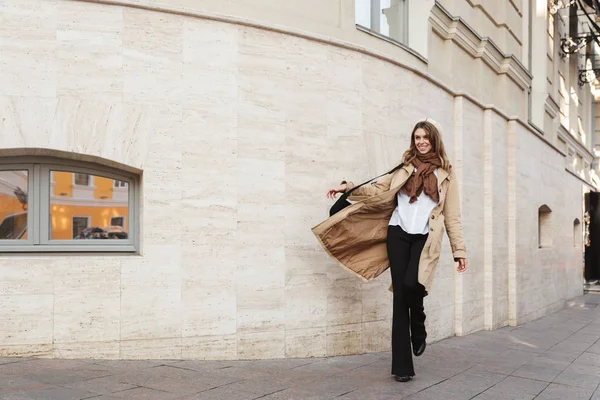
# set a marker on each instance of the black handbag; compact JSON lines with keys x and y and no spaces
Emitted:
{"x":343,"y":202}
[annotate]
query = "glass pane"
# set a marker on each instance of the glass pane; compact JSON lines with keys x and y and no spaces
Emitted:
{"x":394,"y":21}
{"x":84,"y":206}
{"x":13,"y":204}
{"x":387,"y":17}
{"x":79,"y":225}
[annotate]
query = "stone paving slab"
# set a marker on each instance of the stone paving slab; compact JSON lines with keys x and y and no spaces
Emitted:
{"x":555,"y":357}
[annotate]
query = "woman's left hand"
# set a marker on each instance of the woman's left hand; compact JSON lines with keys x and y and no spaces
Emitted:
{"x":462,"y":265}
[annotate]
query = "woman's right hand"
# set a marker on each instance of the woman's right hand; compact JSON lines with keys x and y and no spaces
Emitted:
{"x":331,"y":193}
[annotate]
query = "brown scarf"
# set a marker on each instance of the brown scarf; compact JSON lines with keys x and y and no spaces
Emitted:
{"x":423,"y":178}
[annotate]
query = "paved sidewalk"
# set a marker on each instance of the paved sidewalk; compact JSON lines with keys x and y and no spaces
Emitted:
{"x":556,"y":357}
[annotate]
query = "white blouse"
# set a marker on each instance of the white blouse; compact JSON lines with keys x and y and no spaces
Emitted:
{"x":413,"y":218}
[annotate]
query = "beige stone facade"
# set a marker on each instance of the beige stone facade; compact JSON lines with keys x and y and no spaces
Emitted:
{"x":237,"y":116}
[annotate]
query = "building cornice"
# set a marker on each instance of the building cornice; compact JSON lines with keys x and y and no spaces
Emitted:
{"x":457,"y":30}
{"x":392,"y":41}
{"x":590,"y":184}
{"x":551,"y":107}
{"x":575,"y":144}
{"x":512,"y":2}
{"x":535,"y":131}
{"x":500,"y":25}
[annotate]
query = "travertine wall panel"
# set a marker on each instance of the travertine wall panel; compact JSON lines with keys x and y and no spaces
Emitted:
{"x":470,"y":145}
{"x":498,"y":314}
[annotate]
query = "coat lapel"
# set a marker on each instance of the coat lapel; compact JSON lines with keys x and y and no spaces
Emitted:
{"x":442,"y":176}
{"x":409,"y":168}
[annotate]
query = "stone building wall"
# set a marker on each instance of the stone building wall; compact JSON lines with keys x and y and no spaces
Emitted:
{"x":237,"y":116}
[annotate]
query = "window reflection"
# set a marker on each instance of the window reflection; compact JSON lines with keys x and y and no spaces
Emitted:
{"x":13,"y":204}
{"x":86,"y":206}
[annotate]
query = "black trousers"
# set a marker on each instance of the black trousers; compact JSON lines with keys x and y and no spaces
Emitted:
{"x":408,"y":322}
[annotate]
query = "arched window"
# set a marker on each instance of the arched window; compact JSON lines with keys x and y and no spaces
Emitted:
{"x":544,"y":226}
{"x":53,"y":204}
{"x":577,"y":233}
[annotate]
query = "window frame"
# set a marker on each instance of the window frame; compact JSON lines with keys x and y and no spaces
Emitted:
{"x":124,"y":226}
{"x":39,"y":197}
{"x":87,"y":218}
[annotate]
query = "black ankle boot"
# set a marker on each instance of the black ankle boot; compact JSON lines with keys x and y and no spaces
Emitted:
{"x":403,"y":378}
{"x":417,"y":329}
{"x":419,"y":348}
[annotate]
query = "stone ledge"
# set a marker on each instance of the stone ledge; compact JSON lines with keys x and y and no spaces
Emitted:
{"x":456,"y":29}
{"x":575,"y":144}
{"x":551,"y":107}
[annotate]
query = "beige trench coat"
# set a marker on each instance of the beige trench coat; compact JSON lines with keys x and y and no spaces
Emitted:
{"x":356,"y":236}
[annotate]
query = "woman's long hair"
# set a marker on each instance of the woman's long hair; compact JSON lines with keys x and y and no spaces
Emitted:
{"x":437,"y":146}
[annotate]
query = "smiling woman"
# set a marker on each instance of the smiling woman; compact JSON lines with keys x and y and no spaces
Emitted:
{"x":409,"y":208}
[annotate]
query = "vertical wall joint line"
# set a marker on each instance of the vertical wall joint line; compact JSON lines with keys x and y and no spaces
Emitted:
{"x":488,"y":222}
{"x":457,"y":166}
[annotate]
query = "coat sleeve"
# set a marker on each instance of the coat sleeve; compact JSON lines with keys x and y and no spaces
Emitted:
{"x":452,"y":219}
{"x":373,"y":188}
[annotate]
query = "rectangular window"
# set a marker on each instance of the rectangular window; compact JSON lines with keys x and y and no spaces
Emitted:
{"x":50,"y":204}
{"x":385,"y":17}
{"x":550,"y":48}
{"x":80,"y":224}
{"x":563,"y":98}
{"x":82,"y":179}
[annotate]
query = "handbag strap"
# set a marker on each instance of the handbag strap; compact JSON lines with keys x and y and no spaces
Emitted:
{"x":364,"y":183}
